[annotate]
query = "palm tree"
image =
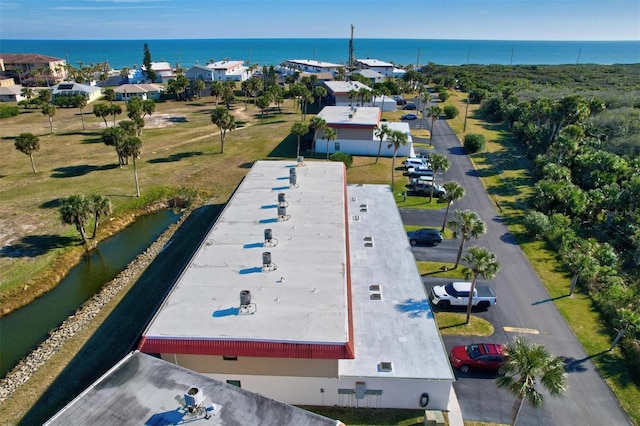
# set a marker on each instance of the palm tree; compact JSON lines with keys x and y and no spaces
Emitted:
{"x":438,"y":163}
{"x":468,"y":225}
{"x":526,"y":365}
{"x":299,"y":129}
{"x":28,"y":143}
{"x":115,"y":110}
{"x":381,"y":132}
{"x":316,"y":124}
{"x":75,"y":210}
{"x":132,"y":147}
{"x":148,"y":107}
{"x":114,"y":136}
{"x":319,"y":92}
{"x":434,"y":113}
{"x":222,"y":118}
{"x":103,"y":111}
{"x":216,"y":90}
{"x":454,"y":193}
{"x":396,"y":138}
{"x":50,"y":111}
{"x":330,"y":135}
{"x":353,"y":93}
{"x":199,"y":86}
{"x":480,"y":263}
{"x":27,"y":92}
{"x":110,"y":95}
{"x":101,"y":206}
{"x":628,"y":322}
{"x":81,"y":103}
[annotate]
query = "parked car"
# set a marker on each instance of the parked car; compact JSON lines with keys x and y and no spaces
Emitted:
{"x":411,"y":107}
{"x":420,"y":179}
{"x":416,"y":162}
{"x":419,"y":171}
{"x":457,"y":294}
{"x":424,"y":236}
{"x":399,"y":100}
{"x":479,"y":356}
{"x":409,"y":117}
{"x":424,"y":188}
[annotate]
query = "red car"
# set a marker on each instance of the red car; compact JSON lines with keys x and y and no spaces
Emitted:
{"x":479,"y":356}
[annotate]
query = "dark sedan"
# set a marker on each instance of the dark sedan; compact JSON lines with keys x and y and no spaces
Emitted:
{"x":425,"y":236}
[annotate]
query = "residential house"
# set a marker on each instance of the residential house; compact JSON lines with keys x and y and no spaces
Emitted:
{"x":219,"y":71}
{"x":23,"y":67}
{"x":305,"y":290}
{"x":355,"y":128}
{"x":313,"y":66}
{"x":384,"y":68}
{"x":143,"y":91}
{"x":163,"y":70}
{"x":144,"y":390}
{"x":338,"y":93}
{"x":71,"y":88}
{"x":372,"y":76}
{"x":11,"y":93}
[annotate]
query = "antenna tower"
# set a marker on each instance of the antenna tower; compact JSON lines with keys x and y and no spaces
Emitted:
{"x":351,"y":58}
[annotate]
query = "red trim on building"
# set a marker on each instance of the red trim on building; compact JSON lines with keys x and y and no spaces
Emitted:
{"x":351,"y":126}
{"x":350,"y":343}
{"x":154,"y":345}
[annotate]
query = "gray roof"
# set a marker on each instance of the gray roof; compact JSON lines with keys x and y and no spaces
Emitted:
{"x":348,"y":116}
{"x":344,"y":87}
{"x":304,"y":299}
{"x":145,"y":390}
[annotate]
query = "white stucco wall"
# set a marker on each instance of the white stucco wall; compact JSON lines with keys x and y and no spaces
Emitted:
{"x":359,"y":147}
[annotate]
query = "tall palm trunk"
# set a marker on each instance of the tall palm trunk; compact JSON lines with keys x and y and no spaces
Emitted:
{"x":95,"y":226}
{"x":33,"y":165}
{"x":515,"y":410}
{"x":470,"y":302}
{"x":80,"y":228}
{"x":135,"y":174}
{"x":459,"y":253}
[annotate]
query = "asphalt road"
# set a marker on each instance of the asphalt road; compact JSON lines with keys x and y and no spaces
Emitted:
{"x":523,"y":305}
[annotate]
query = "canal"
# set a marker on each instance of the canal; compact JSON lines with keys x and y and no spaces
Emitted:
{"x":24,"y":329}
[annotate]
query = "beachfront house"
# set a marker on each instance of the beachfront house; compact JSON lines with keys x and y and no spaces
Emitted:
{"x":342,"y":93}
{"x":355,"y":128}
{"x":384,"y":68}
{"x":143,"y":91}
{"x":219,"y":71}
{"x":11,"y":93}
{"x":163,"y":70}
{"x":313,"y":66}
{"x":372,"y":76}
{"x":305,"y":290}
{"x":32,"y":68}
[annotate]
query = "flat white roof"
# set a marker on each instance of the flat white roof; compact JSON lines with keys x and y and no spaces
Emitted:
{"x":344,"y":87}
{"x":392,"y":317}
{"x":374,"y":63}
{"x":346,"y":115}
{"x":314,"y":63}
{"x":304,"y":299}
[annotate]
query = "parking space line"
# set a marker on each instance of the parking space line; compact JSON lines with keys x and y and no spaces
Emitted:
{"x":520,"y":330}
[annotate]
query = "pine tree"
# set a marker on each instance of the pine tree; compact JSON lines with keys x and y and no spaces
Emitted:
{"x":146,"y":61}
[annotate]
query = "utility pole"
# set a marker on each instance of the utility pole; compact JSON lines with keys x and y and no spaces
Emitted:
{"x":351,"y":49}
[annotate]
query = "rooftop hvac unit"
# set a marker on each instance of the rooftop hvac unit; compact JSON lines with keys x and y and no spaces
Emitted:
{"x":300,"y":160}
{"x":194,"y":397}
{"x":282,"y":211}
{"x":267,"y":235}
{"x":292,"y":171}
{"x":266,"y":259}
{"x":281,"y":199}
{"x":245,"y":297}
{"x":292,"y":180}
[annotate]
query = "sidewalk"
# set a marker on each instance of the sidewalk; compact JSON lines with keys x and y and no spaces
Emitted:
{"x":455,"y":414}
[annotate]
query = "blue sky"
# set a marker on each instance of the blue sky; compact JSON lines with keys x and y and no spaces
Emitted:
{"x":423,"y":19}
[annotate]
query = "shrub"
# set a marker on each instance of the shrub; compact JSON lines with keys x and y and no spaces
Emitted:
{"x":347,"y":159}
{"x":8,"y":111}
{"x":450,"y":111}
{"x":537,"y":224}
{"x":474,"y":142}
{"x":444,"y":95}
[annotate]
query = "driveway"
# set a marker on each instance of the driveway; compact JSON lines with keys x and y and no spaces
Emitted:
{"x":524,"y":308}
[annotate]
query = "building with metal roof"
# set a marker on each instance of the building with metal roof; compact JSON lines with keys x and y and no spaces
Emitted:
{"x":384,"y":68}
{"x":305,"y":290}
{"x":145,"y":390}
{"x":313,"y":66}
{"x":356,"y":132}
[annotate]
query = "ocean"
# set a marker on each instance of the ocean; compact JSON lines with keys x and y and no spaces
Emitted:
{"x":121,"y":53}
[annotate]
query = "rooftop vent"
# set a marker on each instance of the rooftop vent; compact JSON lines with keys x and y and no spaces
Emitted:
{"x":267,"y":264}
{"x":269,"y":241}
{"x":375,"y":296}
{"x":385,"y":366}
{"x":281,"y":200}
{"x":245,"y":297}
{"x":300,"y":161}
{"x":282,"y":213}
{"x":293,"y":180}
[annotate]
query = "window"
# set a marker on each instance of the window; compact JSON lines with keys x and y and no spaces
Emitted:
{"x":234,"y":383}
{"x":229,"y":358}
{"x":336,"y":146}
